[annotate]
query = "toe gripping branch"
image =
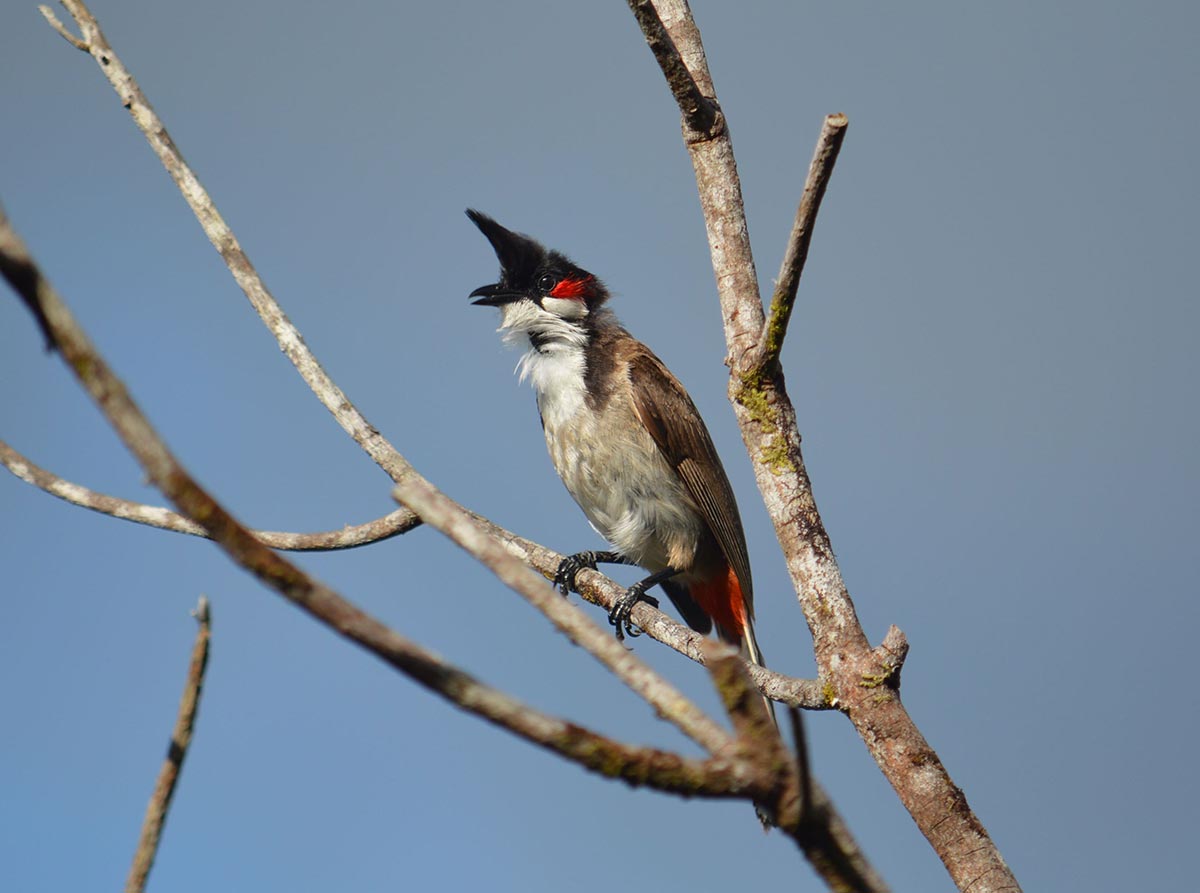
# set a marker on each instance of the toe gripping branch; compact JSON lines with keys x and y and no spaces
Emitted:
{"x":564,"y":582}
{"x":619,"y":615}
{"x":564,"y":577}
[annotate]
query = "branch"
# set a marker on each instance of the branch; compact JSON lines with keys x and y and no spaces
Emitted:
{"x":825,"y":839}
{"x":441,"y":513}
{"x":594,"y":587}
{"x":718,"y":776}
{"x":862,"y":680}
{"x":829,"y":144}
{"x":349,"y":537}
{"x":181,"y":739}
{"x":701,"y":116}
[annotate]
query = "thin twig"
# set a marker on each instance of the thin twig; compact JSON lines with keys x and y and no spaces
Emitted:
{"x":181,"y":739}
{"x":348,"y":537}
{"x":718,"y":776}
{"x":829,"y":144}
{"x":441,"y":513}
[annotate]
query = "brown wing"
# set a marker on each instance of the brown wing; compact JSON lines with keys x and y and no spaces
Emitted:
{"x":668,"y":413}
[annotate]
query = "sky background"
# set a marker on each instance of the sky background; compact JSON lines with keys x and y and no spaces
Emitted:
{"x":993,"y":359}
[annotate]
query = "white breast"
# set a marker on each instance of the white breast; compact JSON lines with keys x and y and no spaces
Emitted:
{"x":608,"y":461}
{"x":612,"y":467}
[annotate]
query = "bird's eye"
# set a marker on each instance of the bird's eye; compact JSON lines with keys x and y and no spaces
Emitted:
{"x":546,"y":283}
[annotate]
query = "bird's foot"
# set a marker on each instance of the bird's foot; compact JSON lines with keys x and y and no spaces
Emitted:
{"x":564,"y":577}
{"x":619,"y":616}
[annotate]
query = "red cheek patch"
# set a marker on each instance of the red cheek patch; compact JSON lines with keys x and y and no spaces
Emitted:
{"x":571,"y":288}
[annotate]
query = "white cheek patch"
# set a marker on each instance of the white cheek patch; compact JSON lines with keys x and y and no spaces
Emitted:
{"x":565,"y":308}
{"x":519,"y":316}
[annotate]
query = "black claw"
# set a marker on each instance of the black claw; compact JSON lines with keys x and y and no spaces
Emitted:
{"x":620,"y":617}
{"x":564,"y":577}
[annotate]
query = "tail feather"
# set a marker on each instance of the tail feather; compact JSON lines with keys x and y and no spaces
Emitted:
{"x":722,"y":600}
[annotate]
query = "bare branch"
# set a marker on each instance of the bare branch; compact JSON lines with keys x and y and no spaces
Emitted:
{"x":290,"y":340}
{"x":181,"y":739}
{"x":719,"y":776}
{"x":767,"y":419}
{"x":671,"y":704}
{"x":348,"y":537}
{"x":829,"y":144}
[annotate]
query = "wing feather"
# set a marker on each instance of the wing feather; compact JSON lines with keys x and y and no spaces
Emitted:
{"x":674,"y":423}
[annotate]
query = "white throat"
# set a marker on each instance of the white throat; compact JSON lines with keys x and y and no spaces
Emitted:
{"x":555,"y":367}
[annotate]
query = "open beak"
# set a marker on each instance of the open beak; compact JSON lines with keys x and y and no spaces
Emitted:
{"x":494,"y":295}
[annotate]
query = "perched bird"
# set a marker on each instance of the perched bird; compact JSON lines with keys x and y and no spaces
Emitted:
{"x":626,"y":440}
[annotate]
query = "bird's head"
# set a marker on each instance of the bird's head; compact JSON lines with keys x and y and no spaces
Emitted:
{"x":540,"y":292}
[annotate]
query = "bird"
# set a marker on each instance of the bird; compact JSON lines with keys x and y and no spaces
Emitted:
{"x":627,"y":441}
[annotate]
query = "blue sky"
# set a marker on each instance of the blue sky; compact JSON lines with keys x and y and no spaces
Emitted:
{"x":993,"y":359}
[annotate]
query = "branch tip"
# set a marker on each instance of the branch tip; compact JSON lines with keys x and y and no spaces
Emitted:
{"x":820,"y":170}
{"x":53,"y":21}
{"x":181,"y":739}
{"x":201,"y":611}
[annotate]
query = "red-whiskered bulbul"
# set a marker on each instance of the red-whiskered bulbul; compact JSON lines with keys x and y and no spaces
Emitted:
{"x":626,"y":440}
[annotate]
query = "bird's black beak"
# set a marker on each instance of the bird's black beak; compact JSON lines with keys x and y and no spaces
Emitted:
{"x":519,"y":256}
{"x":494,"y":295}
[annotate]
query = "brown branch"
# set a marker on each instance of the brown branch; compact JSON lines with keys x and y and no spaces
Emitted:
{"x":181,"y":739}
{"x":861,"y":679}
{"x":718,"y":776}
{"x":348,"y":537}
{"x":820,"y":169}
{"x":442,"y":514}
